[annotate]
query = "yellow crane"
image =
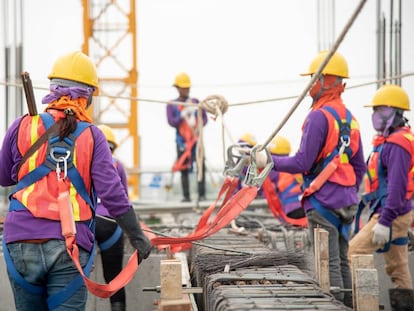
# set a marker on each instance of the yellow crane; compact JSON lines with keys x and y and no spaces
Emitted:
{"x":110,"y":39}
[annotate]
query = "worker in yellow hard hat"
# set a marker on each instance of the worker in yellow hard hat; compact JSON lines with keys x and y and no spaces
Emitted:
{"x":331,"y":159}
{"x":108,"y":234}
{"x":185,"y":120}
{"x":287,"y":186}
{"x":59,"y":162}
{"x":389,"y":188}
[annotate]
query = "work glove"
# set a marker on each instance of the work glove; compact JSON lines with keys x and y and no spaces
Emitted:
{"x":381,"y":234}
{"x":261,"y":158}
{"x":129,"y":224}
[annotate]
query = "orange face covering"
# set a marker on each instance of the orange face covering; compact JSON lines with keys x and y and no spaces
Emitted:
{"x":330,"y":90}
{"x":77,"y":106}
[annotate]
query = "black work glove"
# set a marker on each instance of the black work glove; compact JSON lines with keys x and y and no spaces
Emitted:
{"x":131,"y":227}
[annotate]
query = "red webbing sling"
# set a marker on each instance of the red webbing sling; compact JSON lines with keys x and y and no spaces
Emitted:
{"x":276,"y":207}
{"x":69,"y":232}
{"x":190,"y":140}
{"x":186,"y":155}
{"x":228,"y":212}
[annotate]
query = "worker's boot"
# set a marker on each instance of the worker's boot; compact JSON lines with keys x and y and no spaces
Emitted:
{"x":118,"y":306}
{"x":401,"y":299}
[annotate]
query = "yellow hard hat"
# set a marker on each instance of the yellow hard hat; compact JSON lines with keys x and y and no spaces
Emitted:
{"x":392,"y":96}
{"x":279,"y":145}
{"x":182,"y":80}
{"x":248,"y":138}
{"x":109,"y":134}
{"x":337,"y":65}
{"x":75,"y":66}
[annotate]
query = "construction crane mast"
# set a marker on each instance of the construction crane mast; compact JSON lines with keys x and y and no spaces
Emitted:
{"x":110,"y":39}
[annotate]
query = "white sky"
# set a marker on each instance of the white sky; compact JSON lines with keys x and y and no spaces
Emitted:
{"x":245,"y":50}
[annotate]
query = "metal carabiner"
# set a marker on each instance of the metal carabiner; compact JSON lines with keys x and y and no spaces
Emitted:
{"x":61,"y":159}
{"x":233,"y":168}
{"x":253,"y":177}
{"x":345,"y":142}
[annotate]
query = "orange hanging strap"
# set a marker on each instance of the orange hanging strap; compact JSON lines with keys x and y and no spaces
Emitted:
{"x":322,"y":177}
{"x":186,"y":155}
{"x":69,"y":232}
{"x":276,"y":207}
{"x":104,"y":290}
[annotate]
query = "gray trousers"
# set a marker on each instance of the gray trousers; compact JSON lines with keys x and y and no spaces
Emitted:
{"x":339,"y":271}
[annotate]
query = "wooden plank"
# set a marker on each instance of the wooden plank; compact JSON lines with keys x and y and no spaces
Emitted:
{"x":360,"y":262}
{"x":183,"y":304}
{"x":321,"y":244}
{"x":171,"y":279}
{"x":366,"y":290}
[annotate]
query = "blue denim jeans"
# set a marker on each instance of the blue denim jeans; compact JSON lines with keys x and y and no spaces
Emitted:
{"x":48,"y":265}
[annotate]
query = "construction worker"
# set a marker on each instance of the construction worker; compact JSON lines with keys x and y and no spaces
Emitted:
{"x":184,"y":118}
{"x":59,"y":163}
{"x":108,"y":233}
{"x":389,"y":187}
{"x":330,"y":139}
{"x":287,"y":186}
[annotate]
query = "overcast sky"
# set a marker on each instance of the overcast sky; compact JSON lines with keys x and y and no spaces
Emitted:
{"x":244,"y":50}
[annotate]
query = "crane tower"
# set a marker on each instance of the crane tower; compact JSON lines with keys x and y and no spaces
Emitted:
{"x":110,"y":39}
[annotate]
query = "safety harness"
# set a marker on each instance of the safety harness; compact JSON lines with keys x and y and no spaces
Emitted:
{"x":378,"y":196}
{"x":314,"y":181}
{"x":59,"y":157}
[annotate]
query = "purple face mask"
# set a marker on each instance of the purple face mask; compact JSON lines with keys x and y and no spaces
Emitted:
{"x":382,"y":119}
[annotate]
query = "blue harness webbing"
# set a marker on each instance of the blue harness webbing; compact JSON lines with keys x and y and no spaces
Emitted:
{"x":108,"y":243}
{"x":75,"y":178}
{"x":331,"y":217}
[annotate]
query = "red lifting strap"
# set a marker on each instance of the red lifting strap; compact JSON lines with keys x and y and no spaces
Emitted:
{"x":227,"y":212}
{"x":186,"y":155}
{"x":103,"y":290}
{"x":276,"y":207}
{"x":228,"y":187}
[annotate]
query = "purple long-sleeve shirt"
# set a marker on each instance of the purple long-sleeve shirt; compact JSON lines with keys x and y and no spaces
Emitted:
{"x":21,"y":225}
{"x":101,"y":209}
{"x":330,"y":195}
{"x":398,"y":163}
{"x":174,"y":116}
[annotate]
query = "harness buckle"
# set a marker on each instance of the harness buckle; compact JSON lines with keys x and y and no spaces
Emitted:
{"x":253,"y":177}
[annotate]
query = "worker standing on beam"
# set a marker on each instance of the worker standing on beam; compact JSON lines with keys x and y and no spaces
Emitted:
{"x":59,"y":163}
{"x":330,"y":139}
{"x":389,"y":188}
{"x":109,"y":235}
{"x":185,"y":120}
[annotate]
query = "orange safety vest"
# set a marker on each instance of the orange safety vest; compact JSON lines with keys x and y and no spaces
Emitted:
{"x":344,"y":174}
{"x":41,"y":197}
{"x":375,"y":177}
